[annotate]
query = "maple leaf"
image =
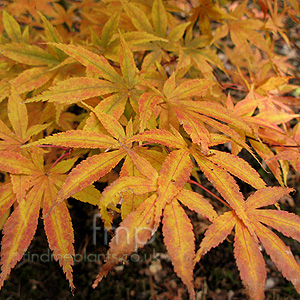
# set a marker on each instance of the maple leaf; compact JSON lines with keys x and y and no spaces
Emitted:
{"x":34,"y":186}
{"x":140,"y":225}
{"x":18,"y":117}
{"x":168,"y":185}
{"x":248,"y":256}
{"x":116,"y":89}
{"x":151,"y":102}
{"x":96,"y":166}
{"x":193,"y":114}
{"x":179,"y":239}
{"x":205,"y":11}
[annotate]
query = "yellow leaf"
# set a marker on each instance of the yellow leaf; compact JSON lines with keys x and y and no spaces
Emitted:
{"x":19,"y":230}
{"x":216,"y":233}
{"x":127,"y":63}
{"x":59,"y":232}
{"x":15,"y":163}
{"x":138,"y":17}
{"x":31,"y":79}
{"x":174,"y":173}
{"x":92,"y":61}
{"x":17,"y":114}
{"x":7,"y":198}
{"x":197,"y":203}
{"x":74,"y":90}
{"x":180,"y":242}
{"x":28,"y":54}
{"x":78,"y":139}
{"x":12,"y":27}
{"x":280,"y":254}
{"x":159,"y":17}
{"x":87,"y":172}
{"x":237,"y":167}
{"x":250,"y":262}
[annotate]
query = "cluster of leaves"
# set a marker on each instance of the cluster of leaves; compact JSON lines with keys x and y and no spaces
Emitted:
{"x":153,"y":96}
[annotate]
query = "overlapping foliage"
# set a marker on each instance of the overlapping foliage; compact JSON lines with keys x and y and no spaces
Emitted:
{"x":155,"y":98}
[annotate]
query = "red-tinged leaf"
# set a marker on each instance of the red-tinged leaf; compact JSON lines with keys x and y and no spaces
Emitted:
{"x":174,"y":173}
{"x":266,"y":154}
{"x":216,"y":111}
{"x":286,"y":155}
{"x":283,"y":221}
{"x":275,"y":117}
{"x":142,"y":165}
{"x":27,"y":54}
{"x":7,"y":198}
{"x":248,"y":105}
{"x":216,"y":233}
{"x":112,"y":194}
{"x":59,"y":232}
{"x":195,"y":128}
{"x":127,"y":63}
{"x":129,"y":128}
{"x":159,"y":17}
{"x":112,"y":125}
{"x":15,"y":163}
{"x":222,"y":181}
{"x":273,"y":83}
{"x":191,"y":88}
{"x":9,"y":144}
{"x":113,"y":105}
{"x":31,"y":79}
{"x":226,"y":186}
{"x":74,"y":90}
{"x":197,"y":203}
{"x":92,"y":61}
{"x":19,"y":230}
{"x":180,"y":242}
{"x":12,"y":27}
{"x":17,"y":114}
{"x":228,"y":131}
{"x":250,"y":262}
{"x":159,"y":136}
{"x":218,"y":139}
{"x":147,"y":104}
{"x":78,"y":139}
{"x":154,"y":157}
{"x":20,"y":184}
{"x":87,"y":172}
{"x":237,"y":167}
{"x":133,"y":233}
{"x":267,"y":196}
{"x":280,"y":254}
